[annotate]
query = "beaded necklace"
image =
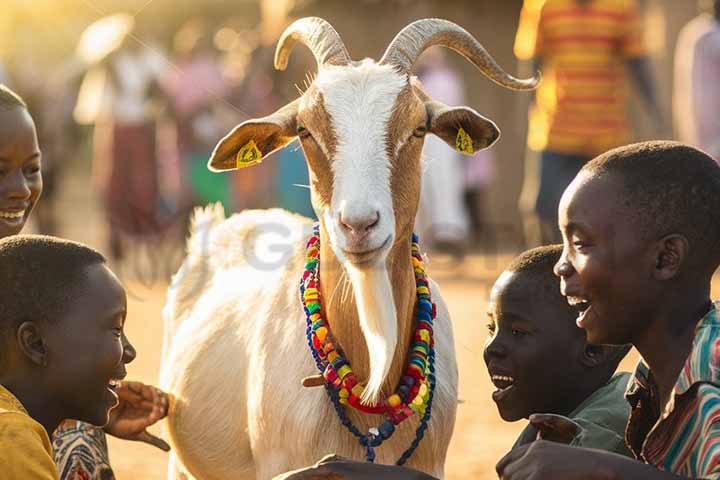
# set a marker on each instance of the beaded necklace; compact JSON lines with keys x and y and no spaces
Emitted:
{"x":415,"y":392}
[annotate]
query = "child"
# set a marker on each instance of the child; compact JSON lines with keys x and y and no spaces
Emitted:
{"x":541,"y":364}
{"x":20,"y":176}
{"x":80,"y":449}
{"x":641,"y":242}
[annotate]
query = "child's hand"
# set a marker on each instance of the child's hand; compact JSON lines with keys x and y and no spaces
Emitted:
{"x":140,"y":406}
{"x":543,"y":460}
{"x":333,"y":467}
{"x":555,"y":428}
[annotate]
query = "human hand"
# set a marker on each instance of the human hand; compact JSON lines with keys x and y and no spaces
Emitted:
{"x":140,"y":406}
{"x":334,"y":467}
{"x":544,"y":460}
{"x":555,"y":428}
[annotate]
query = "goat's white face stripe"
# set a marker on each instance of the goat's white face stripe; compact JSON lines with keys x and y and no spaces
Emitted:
{"x":360,"y":101}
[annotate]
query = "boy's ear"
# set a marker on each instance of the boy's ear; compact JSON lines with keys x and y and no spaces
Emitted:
{"x":671,"y":254}
{"x":602,"y":355}
{"x":462,"y":128}
{"x":255,"y":139}
{"x":31,"y":343}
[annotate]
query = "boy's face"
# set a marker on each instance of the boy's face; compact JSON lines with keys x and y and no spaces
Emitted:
{"x":534,"y":349}
{"x":87,"y":348}
{"x":20,"y":176}
{"x":607,"y":264}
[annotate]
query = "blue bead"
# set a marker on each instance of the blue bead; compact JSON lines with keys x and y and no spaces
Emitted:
{"x":375,"y":441}
{"x":403,"y":391}
{"x":421,"y":315}
{"x":424,"y":305}
{"x":386,"y":429}
{"x":408,"y":380}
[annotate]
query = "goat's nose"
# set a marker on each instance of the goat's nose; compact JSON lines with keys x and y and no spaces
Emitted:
{"x":359,"y":224}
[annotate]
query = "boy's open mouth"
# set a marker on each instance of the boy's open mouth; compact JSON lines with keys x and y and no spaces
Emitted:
{"x":582,"y":305}
{"x":504,"y":384}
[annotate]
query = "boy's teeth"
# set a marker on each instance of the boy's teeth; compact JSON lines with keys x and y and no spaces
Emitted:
{"x":12,"y":215}
{"x":503,"y":378}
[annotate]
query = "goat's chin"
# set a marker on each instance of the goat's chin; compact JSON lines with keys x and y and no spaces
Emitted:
{"x":378,"y":321}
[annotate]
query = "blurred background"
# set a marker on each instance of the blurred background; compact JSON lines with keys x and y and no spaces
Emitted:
{"x":130,"y":96}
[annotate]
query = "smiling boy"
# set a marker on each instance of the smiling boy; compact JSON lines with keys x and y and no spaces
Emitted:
{"x":541,"y":364}
{"x":62,"y":314}
{"x":641,"y":232}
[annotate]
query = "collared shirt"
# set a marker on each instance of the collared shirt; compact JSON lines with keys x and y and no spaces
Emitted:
{"x":696,"y":94}
{"x":685,"y":437}
{"x":25,"y":452}
{"x":580,"y":106}
{"x":602,"y":418}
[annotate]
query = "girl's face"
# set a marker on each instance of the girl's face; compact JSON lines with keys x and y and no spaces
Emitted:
{"x":20,"y":176}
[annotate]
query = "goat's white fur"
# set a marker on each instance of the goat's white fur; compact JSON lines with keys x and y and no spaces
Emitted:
{"x":360,"y":100}
{"x":237,"y":354}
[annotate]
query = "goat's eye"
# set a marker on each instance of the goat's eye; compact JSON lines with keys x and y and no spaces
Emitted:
{"x":302,"y":131}
{"x":420,"y":131}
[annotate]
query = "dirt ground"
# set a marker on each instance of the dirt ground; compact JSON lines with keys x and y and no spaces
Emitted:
{"x":480,"y":438}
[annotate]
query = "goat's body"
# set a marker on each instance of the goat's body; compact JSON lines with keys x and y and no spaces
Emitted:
{"x":236,"y":352}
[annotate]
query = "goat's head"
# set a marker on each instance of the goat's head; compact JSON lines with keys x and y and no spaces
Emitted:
{"x":361,"y":126}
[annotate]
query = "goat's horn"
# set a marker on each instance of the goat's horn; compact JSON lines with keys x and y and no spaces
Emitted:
{"x":420,"y":35}
{"x":319,"y":36}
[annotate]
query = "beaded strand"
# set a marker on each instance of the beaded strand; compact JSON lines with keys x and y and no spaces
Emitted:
{"x":415,"y":391}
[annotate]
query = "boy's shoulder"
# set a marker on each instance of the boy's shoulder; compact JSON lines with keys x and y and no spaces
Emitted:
{"x":25,"y":450}
{"x":603,"y":417}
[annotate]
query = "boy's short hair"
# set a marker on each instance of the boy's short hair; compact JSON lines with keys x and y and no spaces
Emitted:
{"x":539,"y":263}
{"x":669,"y":188}
{"x":39,"y":275}
{"x":10,"y":99}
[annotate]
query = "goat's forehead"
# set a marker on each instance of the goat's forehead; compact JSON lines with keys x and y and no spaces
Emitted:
{"x":367,"y":87}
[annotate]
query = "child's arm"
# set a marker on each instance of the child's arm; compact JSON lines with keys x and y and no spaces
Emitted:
{"x":543,"y":460}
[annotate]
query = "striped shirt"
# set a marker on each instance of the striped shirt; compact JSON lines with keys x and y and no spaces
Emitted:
{"x":580,"y":106}
{"x":686,"y":438}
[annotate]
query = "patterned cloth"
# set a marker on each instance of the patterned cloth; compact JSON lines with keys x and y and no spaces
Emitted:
{"x":581,"y":102}
{"x":686,"y":438}
{"x":80,"y":452}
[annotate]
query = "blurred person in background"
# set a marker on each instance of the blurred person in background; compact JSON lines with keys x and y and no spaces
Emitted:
{"x":696,"y":92}
{"x":125,"y":163}
{"x":442,"y":218}
{"x":195,"y":88}
{"x":584,"y":48}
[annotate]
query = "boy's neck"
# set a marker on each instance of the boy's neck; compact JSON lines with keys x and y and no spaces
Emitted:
{"x":39,"y":405}
{"x":667,"y":341}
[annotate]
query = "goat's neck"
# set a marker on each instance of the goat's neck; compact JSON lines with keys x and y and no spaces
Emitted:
{"x":342,"y":315}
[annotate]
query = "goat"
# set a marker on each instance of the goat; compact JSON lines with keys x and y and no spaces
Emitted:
{"x":235,"y":346}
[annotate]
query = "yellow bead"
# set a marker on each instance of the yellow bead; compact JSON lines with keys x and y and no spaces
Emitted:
{"x":343,"y":401}
{"x":311,"y":291}
{"x":332,"y":356}
{"x":343,"y":393}
{"x":321,"y":333}
{"x":394,"y":400}
{"x":423,"y":390}
{"x":358,"y":390}
{"x":314,"y":317}
{"x":425,"y":335}
{"x":416,"y":262}
{"x":423,"y":290}
{"x":343,"y":371}
{"x":417,"y":400}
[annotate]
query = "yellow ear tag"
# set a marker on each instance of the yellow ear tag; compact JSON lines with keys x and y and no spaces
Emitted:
{"x":463,"y":142}
{"x":248,"y":155}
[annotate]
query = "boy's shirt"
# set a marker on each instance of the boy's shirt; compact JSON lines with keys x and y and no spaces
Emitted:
{"x":25,"y":452}
{"x":686,"y":438}
{"x":602,"y":417}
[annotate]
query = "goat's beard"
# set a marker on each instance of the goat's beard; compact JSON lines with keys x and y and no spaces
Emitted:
{"x":378,"y":321}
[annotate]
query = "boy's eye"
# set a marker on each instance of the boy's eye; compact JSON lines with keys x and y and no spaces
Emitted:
{"x":517,"y":333}
{"x":118,"y":332}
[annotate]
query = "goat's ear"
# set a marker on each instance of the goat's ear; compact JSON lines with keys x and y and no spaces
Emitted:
{"x":462,"y":128}
{"x":255,"y":139}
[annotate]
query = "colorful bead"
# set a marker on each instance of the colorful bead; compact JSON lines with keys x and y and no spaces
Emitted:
{"x":321,"y":333}
{"x":394,"y":400}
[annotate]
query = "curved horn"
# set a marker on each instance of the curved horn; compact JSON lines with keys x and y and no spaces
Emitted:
{"x":420,"y":35}
{"x":319,"y":36}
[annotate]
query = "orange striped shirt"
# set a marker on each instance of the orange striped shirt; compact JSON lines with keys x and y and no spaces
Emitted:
{"x":580,"y":106}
